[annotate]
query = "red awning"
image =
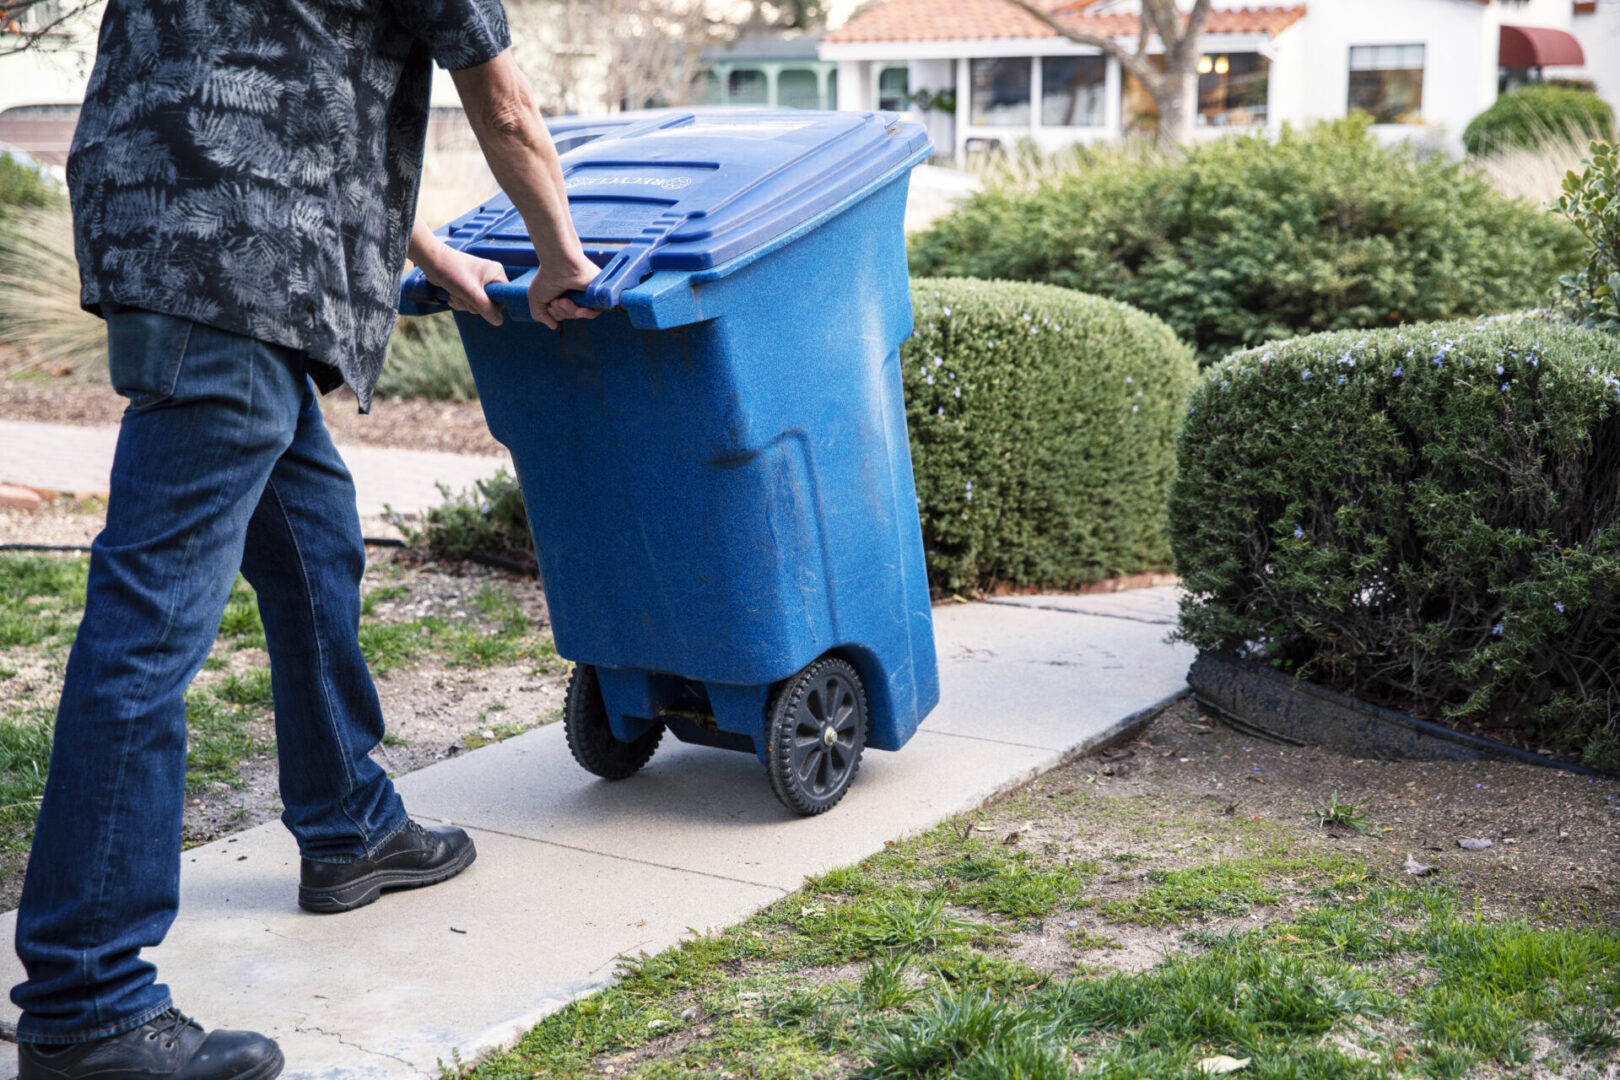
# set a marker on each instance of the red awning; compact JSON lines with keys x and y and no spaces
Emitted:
{"x":1538,"y":46}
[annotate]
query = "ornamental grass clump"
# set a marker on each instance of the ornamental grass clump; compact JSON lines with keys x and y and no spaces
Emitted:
{"x":1427,"y":518}
{"x":1043,"y":427}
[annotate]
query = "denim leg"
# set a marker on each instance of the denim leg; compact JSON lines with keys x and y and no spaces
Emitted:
{"x":304,"y":558}
{"x":210,"y":413}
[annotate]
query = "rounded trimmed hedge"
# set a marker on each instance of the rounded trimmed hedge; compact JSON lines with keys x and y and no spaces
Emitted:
{"x":1243,"y":240}
{"x":1532,"y":114}
{"x":1427,"y":518}
{"x":1043,"y":425}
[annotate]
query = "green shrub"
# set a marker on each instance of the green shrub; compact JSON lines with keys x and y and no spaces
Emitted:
{"x":487,"y":520}
{"x":1042,"y":430}
{"x":1530,"y":115}
{"x":426,"y":360}
{"x":1591,"y":200}
{"x":1240,"y":241}
{"x":1427,"y":518}
{"x":24,"y":187}
{"x":1043,"y":426}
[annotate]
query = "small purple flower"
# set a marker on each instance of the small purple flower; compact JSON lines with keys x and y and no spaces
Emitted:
{"x":1497,"y":629}
{"x":1559,"y":604}
{"x":1399,"y":371}
{"x":1500,"y":370}
{"x":1299,"y":533}
{"x":1341,"y":380}
{"x":1304,"y":376}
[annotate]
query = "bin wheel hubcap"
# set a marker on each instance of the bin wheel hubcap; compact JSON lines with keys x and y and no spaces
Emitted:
{"x":824,"y":734}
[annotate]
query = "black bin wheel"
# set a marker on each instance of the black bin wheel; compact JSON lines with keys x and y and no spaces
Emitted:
{"x":590,"y":738}
{"x":815,"y":732}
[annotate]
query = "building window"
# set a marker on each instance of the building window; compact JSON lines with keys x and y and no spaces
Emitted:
{"x":1386,"y":81}
{"x":746,"y":86}
{"x":893,"y":89}
{"x":1072,"y":91}
{"x":796,"y":89}
{"x":1001,"y":91}
{"x":1232,"y":89}
{"x":706,"y":89}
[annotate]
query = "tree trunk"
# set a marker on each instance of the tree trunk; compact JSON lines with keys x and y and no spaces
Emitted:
{"x":1176,"y":94}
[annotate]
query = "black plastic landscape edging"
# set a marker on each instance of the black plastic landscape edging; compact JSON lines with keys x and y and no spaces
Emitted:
{"x":1256,"y":698}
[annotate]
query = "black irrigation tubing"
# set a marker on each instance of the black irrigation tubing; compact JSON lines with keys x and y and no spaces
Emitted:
{"x":371,"y":541}
{"x":499,"y":562}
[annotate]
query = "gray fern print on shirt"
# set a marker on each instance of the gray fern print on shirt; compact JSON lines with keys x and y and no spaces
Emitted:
{"x":253,"y":164}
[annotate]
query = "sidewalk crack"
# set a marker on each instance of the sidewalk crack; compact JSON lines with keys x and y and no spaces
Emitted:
{"x":1073,"y":611}
{"x":310,"y":1030}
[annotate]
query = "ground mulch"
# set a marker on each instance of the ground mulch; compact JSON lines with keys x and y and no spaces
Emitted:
{"x":452,"y":427}
{"x":1554,"y":835}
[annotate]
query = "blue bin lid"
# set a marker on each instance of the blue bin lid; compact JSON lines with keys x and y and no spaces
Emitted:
{"x":685,"y":190}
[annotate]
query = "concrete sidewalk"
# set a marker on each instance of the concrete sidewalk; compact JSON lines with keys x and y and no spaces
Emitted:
{"x":574,"y":872}
{"x":64,"y":457}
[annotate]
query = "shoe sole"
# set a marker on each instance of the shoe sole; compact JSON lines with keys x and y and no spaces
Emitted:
{"x":366,"y":890}
{"x":269,"y":1070}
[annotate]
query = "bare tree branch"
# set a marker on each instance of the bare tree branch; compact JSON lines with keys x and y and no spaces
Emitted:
{"x":39,"y":25}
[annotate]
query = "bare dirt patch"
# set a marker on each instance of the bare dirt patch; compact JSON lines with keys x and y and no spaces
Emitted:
{"x":1190,"y":790}
{"x":441,"y":703}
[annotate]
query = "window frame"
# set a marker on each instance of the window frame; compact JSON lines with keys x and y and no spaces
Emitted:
{"x":1381,"y":114}
{"x":1098,"y":115}
{"x":1010,"y":63}
{"x":878,"y":92}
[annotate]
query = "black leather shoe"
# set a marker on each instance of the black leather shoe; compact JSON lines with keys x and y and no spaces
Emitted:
{"x":413,"y":858}
{"x":170,"y":1046}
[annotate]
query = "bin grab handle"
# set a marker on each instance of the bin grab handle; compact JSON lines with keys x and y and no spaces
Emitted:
{"x":513,"y":296}
{"x":419,"y":296}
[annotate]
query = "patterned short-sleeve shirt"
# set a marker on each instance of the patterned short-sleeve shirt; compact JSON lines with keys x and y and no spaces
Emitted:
{"x":253,"y":164}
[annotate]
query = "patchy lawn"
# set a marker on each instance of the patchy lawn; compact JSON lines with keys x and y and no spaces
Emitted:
{"x":461,"y":655}
{"x":1191,"y":897}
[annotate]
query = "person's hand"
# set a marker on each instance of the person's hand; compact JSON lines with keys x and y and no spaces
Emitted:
{"x":464,"y":276}
{"x":546,"y":303}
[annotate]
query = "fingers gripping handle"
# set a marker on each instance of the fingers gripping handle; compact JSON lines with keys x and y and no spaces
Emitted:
{"x":419,"y":296}
{"x":513,"y":296}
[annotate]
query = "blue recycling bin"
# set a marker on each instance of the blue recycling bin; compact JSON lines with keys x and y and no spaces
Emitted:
{"x":716,"y":469}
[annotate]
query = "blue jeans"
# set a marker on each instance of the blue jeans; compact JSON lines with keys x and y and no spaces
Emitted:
{"x":223,"y":462}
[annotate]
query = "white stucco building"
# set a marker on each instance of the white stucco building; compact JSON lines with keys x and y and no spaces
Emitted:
{"x":988,"y":72}
{"x":1422,"y":68}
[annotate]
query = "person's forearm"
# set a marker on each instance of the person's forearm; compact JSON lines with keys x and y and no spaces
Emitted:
{"x":424,"y":247}
{"x":520,"y":153}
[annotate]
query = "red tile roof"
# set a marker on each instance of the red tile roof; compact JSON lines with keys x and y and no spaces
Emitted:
{"x":973,"y":20}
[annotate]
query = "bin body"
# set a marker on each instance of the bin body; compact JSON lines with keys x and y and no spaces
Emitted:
{"x":718,"y":476}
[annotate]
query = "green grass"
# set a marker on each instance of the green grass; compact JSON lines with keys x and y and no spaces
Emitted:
{"x":898,"y":968}
{"x":251,"y":687}
{"x":219,"y":738}
{"x":41,"y":599}
{"x":25,"y":757}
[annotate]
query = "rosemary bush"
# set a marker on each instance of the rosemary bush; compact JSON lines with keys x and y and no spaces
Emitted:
{"x":1425,"y":517}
